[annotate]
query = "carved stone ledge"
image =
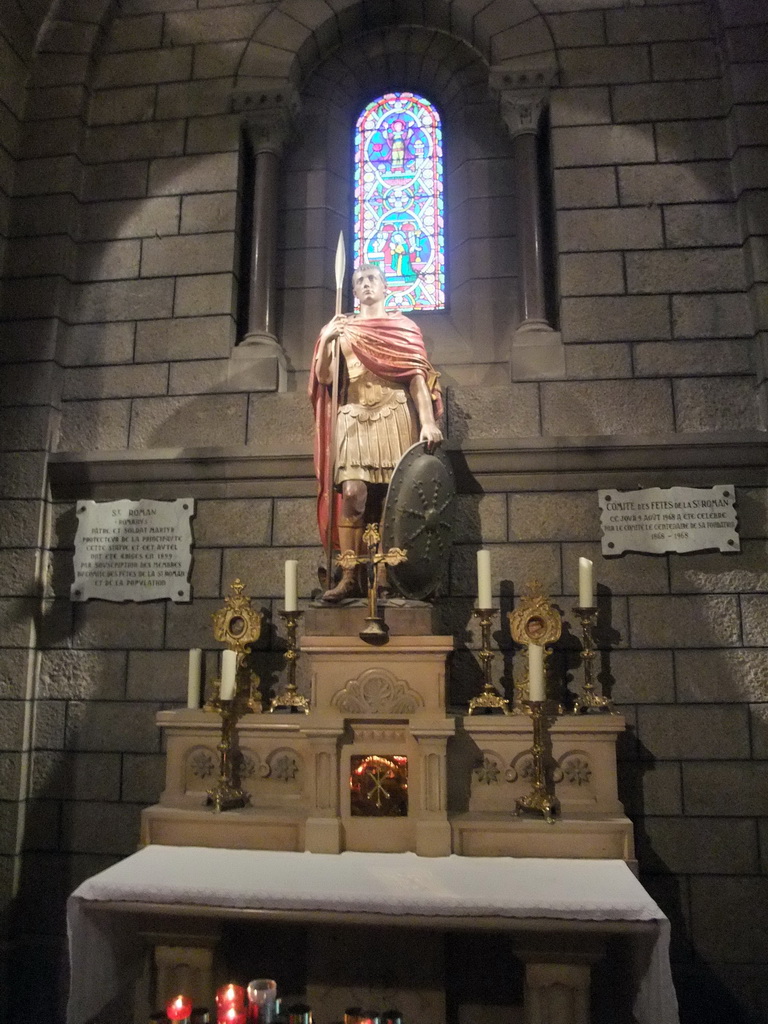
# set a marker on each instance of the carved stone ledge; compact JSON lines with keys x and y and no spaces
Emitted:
{"x":540,"y":463}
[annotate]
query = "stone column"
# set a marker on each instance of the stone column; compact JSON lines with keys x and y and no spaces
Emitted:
{"x":430,"y":802}
{"x":557,"y":976}
{"x":537,"y":348}
{"x":178,"y":960}
{"x":268,"y":117}
{"x":187,"y":969}
{"x":323,"y":833}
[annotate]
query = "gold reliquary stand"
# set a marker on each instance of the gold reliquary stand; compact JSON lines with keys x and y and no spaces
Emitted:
{"x":235,"y":692}
{"x":541,"y":800}
{"x":535,"y":624}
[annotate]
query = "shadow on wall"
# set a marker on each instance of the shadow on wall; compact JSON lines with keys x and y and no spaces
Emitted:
{"x":269,"y":423}
{"x":453,"y":614}
{"x":703,"y":998}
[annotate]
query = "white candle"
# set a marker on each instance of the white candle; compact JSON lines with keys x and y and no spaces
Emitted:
{"x":586,"y":597}
{"x":228,"y":674}
{"x":193,"y":677}
{"x":484,"y":599}
{"x":291,"y":585}
{"x":536,"y":672}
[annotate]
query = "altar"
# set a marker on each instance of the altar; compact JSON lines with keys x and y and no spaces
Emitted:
{"x":379,"y":823}
{"x":562,"y":916}
{"x":436,"y":781}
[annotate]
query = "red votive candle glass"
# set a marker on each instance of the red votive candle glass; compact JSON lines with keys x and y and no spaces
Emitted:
{"x":230,"y":998}
{"x":233,"y":1015}
{"x":179,"y":1008}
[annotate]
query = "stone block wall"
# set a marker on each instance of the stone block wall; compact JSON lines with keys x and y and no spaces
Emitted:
{"x":742,"y":33}
{"x":682,"y":651}
{"x":26,"y":375}
{"x":658,"y":255}
{"x":652,"y":272}
{"x":120,"y":171}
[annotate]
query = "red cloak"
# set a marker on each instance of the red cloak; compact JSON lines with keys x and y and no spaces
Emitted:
{"x":391,"y":347}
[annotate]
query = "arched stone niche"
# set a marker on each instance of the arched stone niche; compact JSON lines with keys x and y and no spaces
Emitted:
{"x":317,"y":197}
{"x":340,"y":63}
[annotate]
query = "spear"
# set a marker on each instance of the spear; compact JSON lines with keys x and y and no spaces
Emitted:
{"x":341,"y":262}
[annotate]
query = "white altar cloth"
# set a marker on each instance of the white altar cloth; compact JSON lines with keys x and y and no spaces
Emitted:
{"x":102,"y":947}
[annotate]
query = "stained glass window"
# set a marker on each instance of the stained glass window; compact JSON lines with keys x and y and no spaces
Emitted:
{"x":399,"y":223}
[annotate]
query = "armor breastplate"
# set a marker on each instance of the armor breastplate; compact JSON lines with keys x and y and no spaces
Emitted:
{"x":366,"y":388}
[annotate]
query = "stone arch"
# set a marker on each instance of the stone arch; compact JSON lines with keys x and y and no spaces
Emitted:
{"x":294,"y":38}
{"x":479,"y":172}
{"x":338,"y":55}
{"x":447,"y":50}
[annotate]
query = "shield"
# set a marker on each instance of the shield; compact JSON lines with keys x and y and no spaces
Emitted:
{"x":418,"y":517}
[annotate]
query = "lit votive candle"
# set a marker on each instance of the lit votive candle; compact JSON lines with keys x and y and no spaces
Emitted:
{"x":536,"y":672}
{"x":179,"y":1008}
{"x":232,"y":1015}
{"x":230,"y":997}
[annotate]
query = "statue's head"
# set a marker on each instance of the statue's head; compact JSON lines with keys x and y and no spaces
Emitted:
{"x":367,"y":268}
{"x":369,"y":284}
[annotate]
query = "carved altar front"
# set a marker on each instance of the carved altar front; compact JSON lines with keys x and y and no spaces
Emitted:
{"x":380,"y":765}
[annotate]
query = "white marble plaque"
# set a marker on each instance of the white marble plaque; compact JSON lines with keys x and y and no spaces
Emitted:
{"x":681,"y":519}
{"x":133,"y":550}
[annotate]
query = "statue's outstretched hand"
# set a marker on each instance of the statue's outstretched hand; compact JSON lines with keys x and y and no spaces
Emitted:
{"x":432,"y":434}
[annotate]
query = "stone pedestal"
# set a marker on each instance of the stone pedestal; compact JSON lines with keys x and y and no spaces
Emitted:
{"x":367,"y":702}
{"x":557,"y":992}
{"x":490,"y":766}
{"x":558,"y":977}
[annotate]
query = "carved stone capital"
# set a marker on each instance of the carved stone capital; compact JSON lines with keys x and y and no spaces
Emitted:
{"x":523,"y":95}
{"x":269,"y":115}
{"x":522,"y":110}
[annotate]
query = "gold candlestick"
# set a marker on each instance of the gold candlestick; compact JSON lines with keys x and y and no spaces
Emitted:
{"x":227,"y":794}
{"x":237,"y":625}
{"x":490,"y":699}
{"x":589,"y":700}
{"x":290,"y":696}
{"x":539,"y":800}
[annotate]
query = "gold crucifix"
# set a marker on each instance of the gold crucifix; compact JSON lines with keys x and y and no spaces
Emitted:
{"x":376,"y":632}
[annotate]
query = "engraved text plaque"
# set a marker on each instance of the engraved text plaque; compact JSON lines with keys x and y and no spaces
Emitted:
{"x":133,"y":550}
{"x":681,"y":519}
